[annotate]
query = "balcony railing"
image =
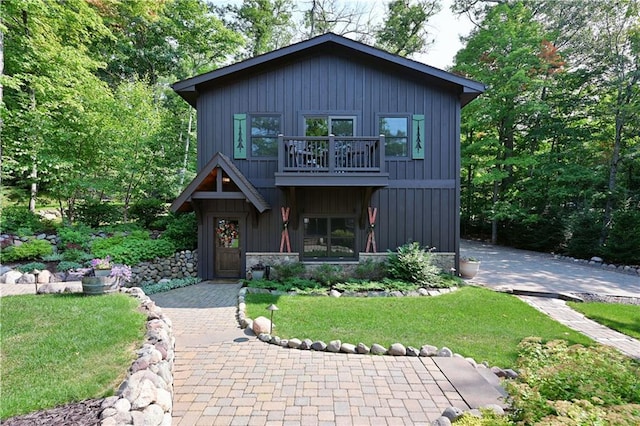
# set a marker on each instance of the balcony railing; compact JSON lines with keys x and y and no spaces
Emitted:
{"x":331,"y":154}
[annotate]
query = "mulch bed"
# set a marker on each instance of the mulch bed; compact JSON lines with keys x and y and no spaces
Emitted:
{"x":83,"y":413}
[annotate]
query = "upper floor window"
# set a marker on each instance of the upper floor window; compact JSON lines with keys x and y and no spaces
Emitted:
{"x":264,"y":135}
{"x":396,"y":132}
{"x":329,"y":125}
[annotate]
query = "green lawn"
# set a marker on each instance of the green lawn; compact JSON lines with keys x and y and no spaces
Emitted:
{"x":474,"y":322}
{"x":58,"y":349}
{"x":623,"y":318}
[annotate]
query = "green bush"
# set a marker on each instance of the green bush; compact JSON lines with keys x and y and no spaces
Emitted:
{"x":75,"y":237}
{"x":553,"y":373}
{"x":584,"y":234}
{"x":370,"y":270}
{"x":31,"y":250}
{"x":53,"y":257}
{"x":94,"y":213}
{"x":287,"y":270}
{"x":133,"y":250}
{"x":182,"y":231}
{"x":327,"y":274}
{"x":66,"y":265}
{"x":623,"y":243}
{"x":21,"y":221}
{"x":30,"y":267}
{"x":146,"y":211}
{"x":152,"y":288}
{"x":75,"y":255}
{"x":99,"y":246}
{"x":412,"y":263}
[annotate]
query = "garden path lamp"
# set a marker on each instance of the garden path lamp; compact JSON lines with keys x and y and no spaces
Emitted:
{"x":271,"y":308}
{"x":36,"y":273}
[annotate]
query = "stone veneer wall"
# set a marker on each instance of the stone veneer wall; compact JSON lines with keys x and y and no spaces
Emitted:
{"x":183,"y":264}
{"x":446,"y":261}
{"x":146,"y":395}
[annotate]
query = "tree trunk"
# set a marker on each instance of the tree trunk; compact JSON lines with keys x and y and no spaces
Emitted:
{"x":494,"y":220}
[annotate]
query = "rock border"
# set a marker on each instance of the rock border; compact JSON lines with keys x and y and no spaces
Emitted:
{"x":598,"y":262}
{"x":145,"y":397}
{"x":449,"y":415}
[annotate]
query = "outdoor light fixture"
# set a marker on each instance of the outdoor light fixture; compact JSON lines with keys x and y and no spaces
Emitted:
{"x":271,"y":308}
{"x":36,"y":272}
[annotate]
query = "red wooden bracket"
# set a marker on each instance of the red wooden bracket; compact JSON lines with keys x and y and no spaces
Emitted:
{"x":371,"y":239}
{"x":284,"y":240}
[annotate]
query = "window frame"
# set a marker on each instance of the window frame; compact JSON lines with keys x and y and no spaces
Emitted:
{"x":407,"y":117}
{"x":250,"y":117}
{"x":328,"y":236}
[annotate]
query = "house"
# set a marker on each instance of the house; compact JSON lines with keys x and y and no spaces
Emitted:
{"x":324,"y":151}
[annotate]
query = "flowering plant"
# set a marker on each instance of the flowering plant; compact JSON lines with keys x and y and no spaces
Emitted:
{"x":226,"y":232}
{"x":99,"y":263}
{"x":121,"y":272}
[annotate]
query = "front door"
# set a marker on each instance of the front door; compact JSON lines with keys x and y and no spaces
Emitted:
{"x":228,"y":251}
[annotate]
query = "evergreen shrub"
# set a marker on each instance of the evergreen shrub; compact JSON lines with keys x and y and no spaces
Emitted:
{"x":146,"y":211}
{"x":93,"y":213}
{"x":30,"y":267}
{"x":623,"y":243}
{"x":584,"y":231}
{"x":182,"y":231}
{"x":31,"y":250}
{"x":412,"y":263}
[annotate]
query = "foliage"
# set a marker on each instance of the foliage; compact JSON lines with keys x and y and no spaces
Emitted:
{"x":553,"y":373}
{"x":153,"y":288}
{"x":20,"y":220}
{"x":385,"y":285}
{"x":327,"y":274}
{"x":584,"y":234}
{"x":623,"y":243}
{"x":85,"y":355}
{"x":67,"y":265}
{"x":101,"y":263}
{"x":75,"y":255}
{"x":297,"y":284}
{"x":147,"y":210}
{"x":31,"y":250}
{"x":404,"y":32}
{"x":104,"y":246}
{"x":133,"y":250}
{"x":30,"y":267}
{"x":78,"y":236}
{"x":287,"y":270}
{"x":623,"y":318}
{"x":370,"y":270}
{"x":94,"y":213}
{"x":412,"y":263}
{"x":469,"y":321}
{"x":489,"y":418}
{"x":182,"y":231}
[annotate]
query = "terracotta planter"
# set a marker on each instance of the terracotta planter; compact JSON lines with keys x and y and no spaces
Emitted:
{"x":469,"y":268}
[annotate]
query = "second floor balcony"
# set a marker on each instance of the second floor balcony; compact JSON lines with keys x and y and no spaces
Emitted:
{"x":331,"y":161}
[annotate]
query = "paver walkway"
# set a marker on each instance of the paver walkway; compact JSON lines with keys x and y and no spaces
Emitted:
{"x":224,"y":377}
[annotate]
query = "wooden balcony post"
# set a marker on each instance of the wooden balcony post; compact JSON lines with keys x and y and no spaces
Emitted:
{"x":332,"y":154}
{"x":281,"y":153}
{"x":381,"y":151}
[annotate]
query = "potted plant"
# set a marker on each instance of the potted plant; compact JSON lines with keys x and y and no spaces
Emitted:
{"x":99,"y":280}
{"x":469,"y":267}
{"x":101,"y":266}
{"x":257,"y":271}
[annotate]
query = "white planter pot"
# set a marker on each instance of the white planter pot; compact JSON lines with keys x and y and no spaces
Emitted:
{"x":469,"y":268}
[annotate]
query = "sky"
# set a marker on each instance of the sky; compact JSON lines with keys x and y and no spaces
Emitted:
{"x":445,"y":28}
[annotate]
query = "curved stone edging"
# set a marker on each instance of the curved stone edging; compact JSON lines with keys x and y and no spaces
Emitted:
{"x":146,"y":395}
{"x":449,"y":415}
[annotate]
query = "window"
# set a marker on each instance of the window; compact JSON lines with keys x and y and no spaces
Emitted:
{"x":264,"y":135}
{"x":326,"y":125}
{"x":395,"y":130}
{"x":329,"y":238}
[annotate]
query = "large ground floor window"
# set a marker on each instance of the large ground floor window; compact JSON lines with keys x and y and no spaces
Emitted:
{"x":329,"y":238}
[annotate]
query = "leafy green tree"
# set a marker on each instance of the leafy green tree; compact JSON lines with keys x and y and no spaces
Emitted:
{"x":404,"y":31}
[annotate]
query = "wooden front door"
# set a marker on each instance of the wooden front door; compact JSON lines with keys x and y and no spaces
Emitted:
{"x":228,"y":251}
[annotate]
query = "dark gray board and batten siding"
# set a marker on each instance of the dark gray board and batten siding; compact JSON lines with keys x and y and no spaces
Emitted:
{"x":420,"y":203}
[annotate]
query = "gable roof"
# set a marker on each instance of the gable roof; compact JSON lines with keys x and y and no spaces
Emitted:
{"x":205,"y":183}
{"x":332,"y":44}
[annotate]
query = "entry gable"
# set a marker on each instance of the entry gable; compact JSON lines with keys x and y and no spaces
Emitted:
{"x":211,"y":183}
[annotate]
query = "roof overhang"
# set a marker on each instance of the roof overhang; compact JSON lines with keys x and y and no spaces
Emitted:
{"x":209,"y":185}
{"x":329,"y":43}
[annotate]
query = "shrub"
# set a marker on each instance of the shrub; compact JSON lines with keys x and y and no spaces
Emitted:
{"x":21,"y":221}
{"x":370,"y":270}
{"x":412,"y":263}
{"x":327,"y":274}
{"x":182,"y":231}
{"x":75,"y":237}
{"x":555,"y":372}
{"x":623,"y":243}
{"x":147,"y":210}
{"x":30,"y":267}
{"x":584,"y":230}
{"x":133,"y":250}
{"x":66,"y":265}
{"x":94,"y":212}
{"x":99,"y":246}
{"x":31,"y":250}
{"x":152,"y":288}
{"x":75,"y":255}
{"x":53,"y":257}
{"x":289,"y":270}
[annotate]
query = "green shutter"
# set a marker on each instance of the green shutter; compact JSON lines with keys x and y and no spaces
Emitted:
{"x":240,"y":136}
{"x":417,"y":137}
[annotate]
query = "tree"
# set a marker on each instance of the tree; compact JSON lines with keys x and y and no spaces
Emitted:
{"x":404,"y":32}
{"x":325,"y":16}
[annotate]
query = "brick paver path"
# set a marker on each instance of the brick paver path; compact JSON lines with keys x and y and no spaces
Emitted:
{"x":224,"y":377}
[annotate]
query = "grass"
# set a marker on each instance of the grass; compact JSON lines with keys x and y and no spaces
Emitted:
{"x":58,"y":349}
{"x":623,"y":318}
{"x":474,"y":322}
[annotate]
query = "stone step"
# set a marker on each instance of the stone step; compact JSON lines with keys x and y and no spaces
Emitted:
{"x":472,"y":386}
